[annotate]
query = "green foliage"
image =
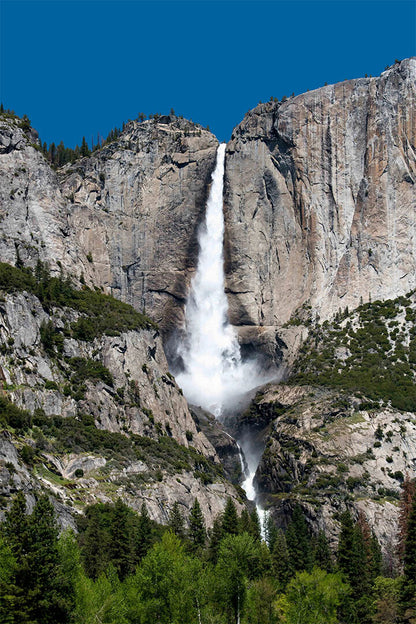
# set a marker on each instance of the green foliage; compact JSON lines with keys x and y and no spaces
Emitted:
{"x":80,"y":434}
{"x":280,"y":559}
{"x":378,"y":364}
{"x":230,"y":518}
{"x":408,"y":589}
{"x":385,"y":607}
{"x":102,"y":313}
{"x":166,"y":588}
{"x":13,"y":416}
{"x":124,"y":569}
{"x":237,"y":561}
{"x":176,"y":521}
{"x":197,"y":532}
{"x":298,"y":540}
{"x":37,"y":589}
{"x":312,"y":598}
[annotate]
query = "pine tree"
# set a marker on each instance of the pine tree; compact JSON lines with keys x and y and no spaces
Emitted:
{"x":176,"y":521}
{"x":322,"y":553}
{"x":95,"y":543}
{"x":16,"y":527}
{"x":280,"y":559}
{"x":371,"y":548}
{"x":144,"y":538}
{"x":45,"y":599}
{"x":215,"y":537}
{"x":121,"y":542}
{"x":39,"y":595}
{"x":244,"y":522}
{"x":84,"y":148}
{"x":197,"y":532}
{"x":347,"y":546}
{"x":15,"y":570}
{"x":230,"y":518}
{"x":9,"y":594}
{"x":299,"y":542}
{"x":352,"y":558}
{"x":406,"y":502}
{"x":270,"y":531}
{"x":255,"y":528}
{"x":408,"y":592}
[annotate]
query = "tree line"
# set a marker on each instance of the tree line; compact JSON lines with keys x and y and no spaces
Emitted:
{"x":123,"y":568}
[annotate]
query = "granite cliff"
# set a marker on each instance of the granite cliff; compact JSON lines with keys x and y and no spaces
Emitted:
{"x":320,"y":202}
{"x":320,"y":216}
{"x":124,"y":218}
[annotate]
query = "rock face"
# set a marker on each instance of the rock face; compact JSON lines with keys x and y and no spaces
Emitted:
{"x":325,"y":452}
{"x":153,"y":452}
{"x":320,"y":201}
{"x":319,"y":207}
{"x":125,"y":218}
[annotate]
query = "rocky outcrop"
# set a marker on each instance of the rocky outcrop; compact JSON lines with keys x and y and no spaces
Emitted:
{"x":106,"y":419}
{"x":124,"y":219}
{"x":327,"y":453}
{"x":224,"y":444}
{"x":320,"y":201}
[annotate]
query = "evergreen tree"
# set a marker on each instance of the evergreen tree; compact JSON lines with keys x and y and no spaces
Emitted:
{"x":322,"y":553}
{"x":45,"y":594}
{"x":144,"y":538}
{"x":197,"y":532}
{"x":406,"y":503}
{"x":121,"y":540}
{"x":347,"y":546}
{"x":16,"y":527}
{"x":244,"y":522}
{"x":52,"y":153}
{"x":408,"y":591}
{"x":215,"y":537}
{"x":270,"y":531}
{"x":298,"y":541}
{"x":36,"y":593}
{"x":84,"y":148}
{"x":353,"y":562}
{"x":280,"y":559}
{"x":95,"y":542}
{"x":9,"y":594}
{"x":255,"y":528}
{"x":230,"y":518}
{"x":176,"y":521}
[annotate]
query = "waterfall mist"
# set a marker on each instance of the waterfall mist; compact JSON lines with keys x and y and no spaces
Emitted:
{"x":215,"y":377}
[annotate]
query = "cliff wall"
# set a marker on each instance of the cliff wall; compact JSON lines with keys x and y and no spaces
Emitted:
{"x":320,"y":200}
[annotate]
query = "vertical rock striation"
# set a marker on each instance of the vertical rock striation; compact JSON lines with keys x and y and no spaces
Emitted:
{"x":124,"y":219}
{"x":320,"y":200}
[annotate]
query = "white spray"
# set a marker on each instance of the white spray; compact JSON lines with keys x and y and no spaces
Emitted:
{"x":215,"y":377}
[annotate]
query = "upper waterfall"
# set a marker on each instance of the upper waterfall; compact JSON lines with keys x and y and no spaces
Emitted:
{"x":215,"y":375}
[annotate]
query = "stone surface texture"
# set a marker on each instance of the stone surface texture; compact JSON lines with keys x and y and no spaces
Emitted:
{"x":143,"y":399}
{"x":320,"y":200}
{"x":125,"y":218}
{"x":327,"y":453}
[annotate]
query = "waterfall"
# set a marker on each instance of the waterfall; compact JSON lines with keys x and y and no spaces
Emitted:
{"x":214,"y":376}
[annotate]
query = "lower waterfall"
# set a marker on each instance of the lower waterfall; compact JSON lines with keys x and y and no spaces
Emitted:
{"x":215,"y":377}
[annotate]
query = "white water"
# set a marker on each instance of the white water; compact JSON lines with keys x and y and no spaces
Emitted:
{"x":215,"y":377}
{"x":248,"y":485}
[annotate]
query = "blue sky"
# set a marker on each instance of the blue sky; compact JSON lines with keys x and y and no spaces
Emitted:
{"x":82,"y":67}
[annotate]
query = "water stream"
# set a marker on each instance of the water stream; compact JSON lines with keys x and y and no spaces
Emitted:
{"x":215,"y":376}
